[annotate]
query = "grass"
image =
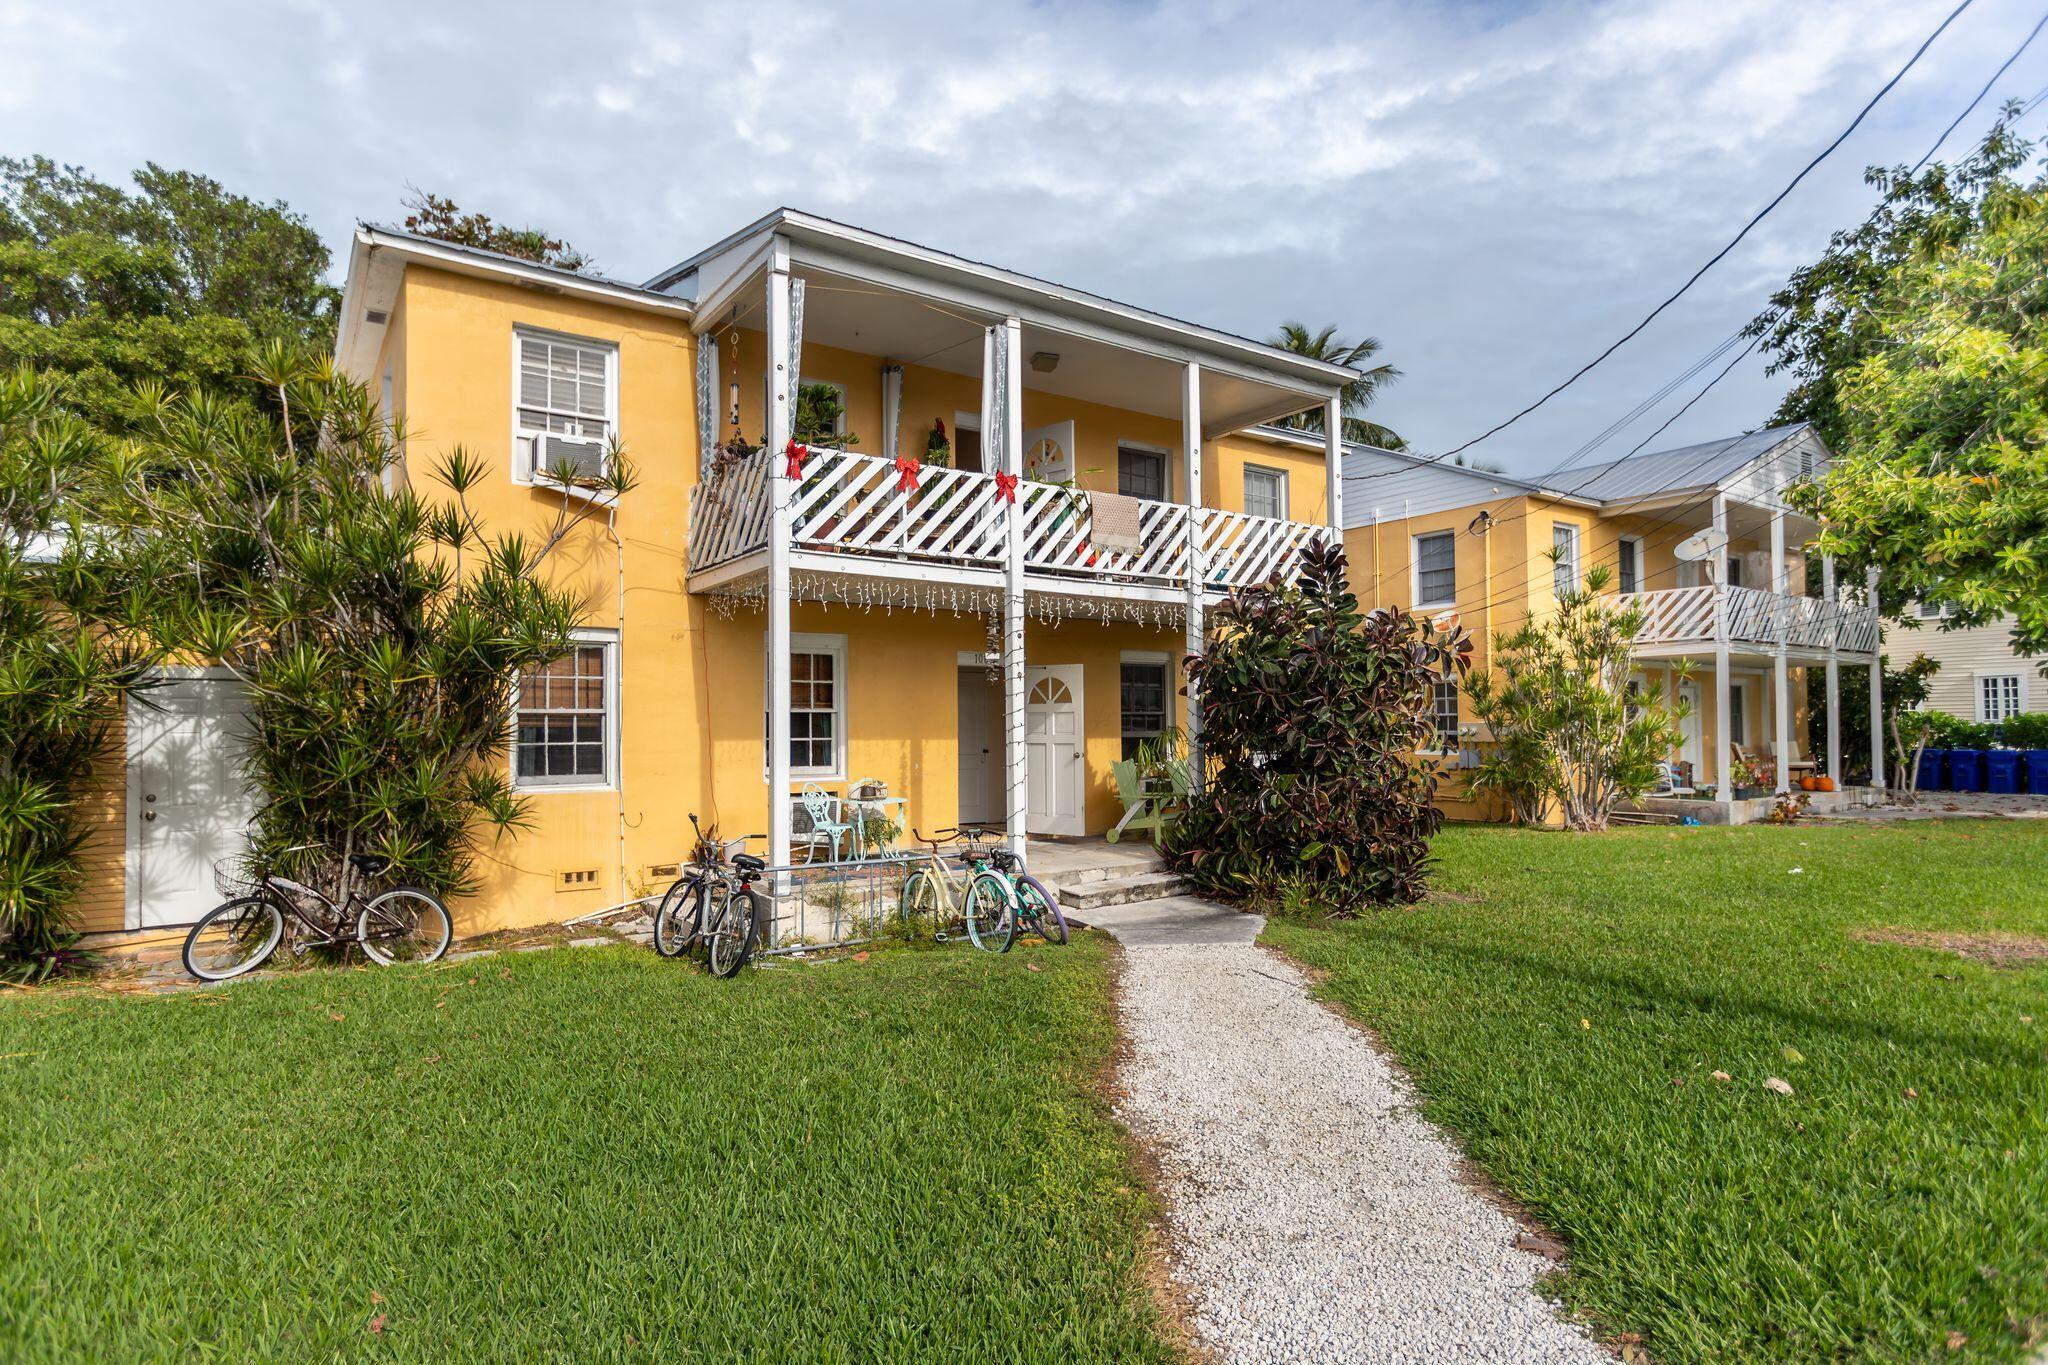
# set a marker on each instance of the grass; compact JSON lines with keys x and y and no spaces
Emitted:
{"x":1564,"y":1006}
{"x":587,"y":1154}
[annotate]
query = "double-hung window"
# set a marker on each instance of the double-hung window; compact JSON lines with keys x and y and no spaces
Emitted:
{"x":1629,"y":564}
{"x":1144,"y":701}
{"x":1436,"y":569}
{"x":1444,"y":715}
{"x":1265,"y":492}
{"x":1141,"y":473}
{"x":564,"y":717}
{"x":1564,"y":538}
{"x":1738,"y":723}
{"x":817,"y":706}
{"x":567,"y":403}
{"x":1999,"y":695}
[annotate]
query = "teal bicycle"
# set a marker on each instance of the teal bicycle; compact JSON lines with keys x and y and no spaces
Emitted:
{"x":987,"y":891}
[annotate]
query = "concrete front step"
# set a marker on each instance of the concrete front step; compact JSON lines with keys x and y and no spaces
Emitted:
{"x":1095,"y":893}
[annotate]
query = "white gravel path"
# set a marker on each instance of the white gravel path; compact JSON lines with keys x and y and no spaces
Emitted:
{"x":1314,"y":1216}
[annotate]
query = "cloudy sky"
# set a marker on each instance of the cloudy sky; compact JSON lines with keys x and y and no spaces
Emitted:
{"x":1495,"y":190}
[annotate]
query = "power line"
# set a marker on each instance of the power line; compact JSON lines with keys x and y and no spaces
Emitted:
{"x":1716,"y":258}
{"x":2032,"y":34}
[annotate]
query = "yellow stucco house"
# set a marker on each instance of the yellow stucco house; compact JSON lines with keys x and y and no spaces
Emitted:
{"x":1701,"y":536}
{"x":985,"y":638}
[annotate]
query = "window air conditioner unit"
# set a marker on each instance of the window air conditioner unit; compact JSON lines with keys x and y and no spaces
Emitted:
{"x":583,"y":455}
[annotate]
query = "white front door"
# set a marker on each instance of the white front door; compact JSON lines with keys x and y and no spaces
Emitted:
{"x":1053,"y":749}
{"x":979,"y":741}
{"x":1689,"y":747}
{"x":188,"y":803}
{"x":1049,"y":453}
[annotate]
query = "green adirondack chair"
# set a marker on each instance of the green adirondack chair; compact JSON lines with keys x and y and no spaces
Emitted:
{"x":1146,"y":807}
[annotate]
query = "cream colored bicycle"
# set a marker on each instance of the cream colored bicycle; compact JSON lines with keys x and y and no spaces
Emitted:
{"x":987,"y":892}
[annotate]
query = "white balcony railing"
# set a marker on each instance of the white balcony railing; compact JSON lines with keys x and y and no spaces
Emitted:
{"x":854,"y":505}
{"x":1756,"y":617}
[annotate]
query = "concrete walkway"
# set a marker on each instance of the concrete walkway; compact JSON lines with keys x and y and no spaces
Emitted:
{"x":1314,"y":1215}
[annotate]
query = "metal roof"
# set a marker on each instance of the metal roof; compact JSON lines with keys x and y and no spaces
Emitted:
{"x":1676,"y":471}
{"x":518,"y":263}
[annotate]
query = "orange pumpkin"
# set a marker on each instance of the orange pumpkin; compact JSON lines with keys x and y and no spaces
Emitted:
{"x":1827,"y":784}
{"x":1808,"y":784}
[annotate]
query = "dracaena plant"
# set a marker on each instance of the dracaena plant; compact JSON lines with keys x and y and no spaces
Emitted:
{"x":1569,"y":731}
{"x":1312,"y":712}
{"x":65,"y":669}
{"x":379,"y":631}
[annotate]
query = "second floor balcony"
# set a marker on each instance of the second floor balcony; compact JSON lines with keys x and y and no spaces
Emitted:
{"x":1684,"y":621}
{"x":850,"y":513}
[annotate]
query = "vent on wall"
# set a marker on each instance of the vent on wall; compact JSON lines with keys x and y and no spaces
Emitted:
{"x":664,"y":871}
{"x":582,"y":879}
{"x":376,"y":317}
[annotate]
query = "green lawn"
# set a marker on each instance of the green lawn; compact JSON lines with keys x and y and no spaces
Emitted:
{"x":580,"y":1154}
{"x":1563,"y":1009}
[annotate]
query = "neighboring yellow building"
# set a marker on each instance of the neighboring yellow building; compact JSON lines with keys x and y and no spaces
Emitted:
{"x":1701,"y":536}
{"x":985,"y":650}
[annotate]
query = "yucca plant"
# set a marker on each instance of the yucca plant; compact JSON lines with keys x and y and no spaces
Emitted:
{"x":1311,"y":715}
{"x":1570,"y":731}
{"x":379,"y":632}
{"x":64,"y":669}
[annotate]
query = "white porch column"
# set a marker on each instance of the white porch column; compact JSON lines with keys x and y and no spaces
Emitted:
{"x":1724,"y":767}
{"x":1198,"y":572}
{"x":1876,"y":692}
{"x":1333,"y":460}
{"x":780,"y":492}
{"x":1781,"y":717}
{"x":1008,"y":352}
{"x":1833,"y":617}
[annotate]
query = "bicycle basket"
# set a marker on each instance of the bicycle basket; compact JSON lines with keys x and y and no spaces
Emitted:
{"x":236,"y":876}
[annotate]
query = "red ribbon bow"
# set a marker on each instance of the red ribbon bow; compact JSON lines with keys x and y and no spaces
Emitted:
{"x":1006,"y":486}
{"x":796,"y":451}
{"x":906,"y":469}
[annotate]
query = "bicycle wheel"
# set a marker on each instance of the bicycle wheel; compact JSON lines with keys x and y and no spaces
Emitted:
{"x":233,"y":938}
{"x":991,"y":912}
{"x":730,"y":937}
{"x":1040,"y":909}
{"x":404,"y":925}
{"x":921,"y":901}
{"x":680,"y":918}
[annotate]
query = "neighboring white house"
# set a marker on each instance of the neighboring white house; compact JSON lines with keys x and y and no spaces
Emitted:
{"x":1981,"y":678}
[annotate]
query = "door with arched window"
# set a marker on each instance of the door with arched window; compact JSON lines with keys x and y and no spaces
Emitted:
{"x":1054,"y":750}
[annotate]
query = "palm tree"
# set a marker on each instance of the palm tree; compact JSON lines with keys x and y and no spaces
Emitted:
{"x":1358,"y":395}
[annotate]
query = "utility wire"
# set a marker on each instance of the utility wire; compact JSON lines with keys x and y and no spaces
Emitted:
{"x":1717,"y":257}
{"x":2026,"y":42}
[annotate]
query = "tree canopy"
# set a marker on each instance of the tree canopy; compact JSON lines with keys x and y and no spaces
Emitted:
{"x":1358,"y":395}
{"x":175,"y":283}
{"x":435,"y":215}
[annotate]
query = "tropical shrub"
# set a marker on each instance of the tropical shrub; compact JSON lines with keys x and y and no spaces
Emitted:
{"x":1904,"y":689}
{"x":2028,"y":730}
{"x":63,"y":674}
{"x":1569,"y":728}
{"x":1311,"y":714}
{"x":379,"y":633}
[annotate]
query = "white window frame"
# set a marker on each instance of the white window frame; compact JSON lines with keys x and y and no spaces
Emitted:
{"x":1148,"y":658}
{"x":1282,"y":493}
{"x":1933,"y":611}
{"x":1165,"y":466}
{"x":1635,"y":543}
{"x":1441,"y":743}
{"x":1566,"y":569}
{"x":609,"y":639}
{"x":1984,"y":682}
{"x":523,"y":471}
{"x":834,"y":645}
{"x":1415,"y":572}
{"x":834,"y":385}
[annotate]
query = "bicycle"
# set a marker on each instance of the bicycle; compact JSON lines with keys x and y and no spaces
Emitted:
{"x":999,"y":895}
{"x":729,"y":934}
{"x":403,"y":924}
{"x":679,"y":920}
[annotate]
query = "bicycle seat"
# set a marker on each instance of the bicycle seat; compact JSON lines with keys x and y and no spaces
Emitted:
{"x":370,"y":864}
{"x":747,"y":862}
{"x":1004,"y":860}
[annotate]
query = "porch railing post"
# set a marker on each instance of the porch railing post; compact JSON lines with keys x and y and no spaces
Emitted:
{"x":1009,"y":339}
{"x":781,"y":490}
{"x":1191,"y":479}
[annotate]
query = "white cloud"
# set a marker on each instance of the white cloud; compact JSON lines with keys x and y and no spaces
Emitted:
{"x":1496,"y":191}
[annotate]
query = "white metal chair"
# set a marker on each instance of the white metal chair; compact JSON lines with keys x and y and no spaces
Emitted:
{"x":827,"y":827}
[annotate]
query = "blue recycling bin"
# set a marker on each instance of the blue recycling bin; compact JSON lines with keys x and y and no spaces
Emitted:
{"x":1933,"y":771}
{"x":1966,"y":770}
{"x":2002,"y":771}
{"x":2037,"y":771}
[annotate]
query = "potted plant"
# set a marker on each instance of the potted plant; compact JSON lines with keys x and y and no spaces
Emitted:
{"x":1755,"y":777}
